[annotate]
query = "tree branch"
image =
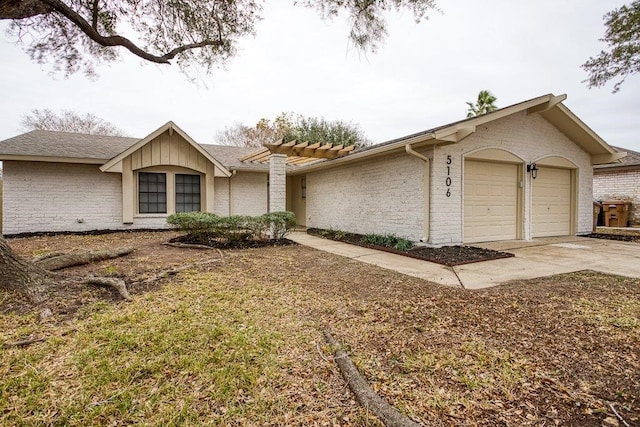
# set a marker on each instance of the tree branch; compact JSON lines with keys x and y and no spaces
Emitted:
{"x":112,"y":41}
{"x":21,"y":9}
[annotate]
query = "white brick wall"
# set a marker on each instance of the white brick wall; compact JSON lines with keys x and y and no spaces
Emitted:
{"x":221,"y":196}
{"x":42,"y":196}
{"x":385,"y":195}
{"x":529,"y":137}
{"x":382,"y":195}
{"x":619,"y":184}
{"x":249,"y":193}
{"x":53,"y":197}
{"x":277,"y":183}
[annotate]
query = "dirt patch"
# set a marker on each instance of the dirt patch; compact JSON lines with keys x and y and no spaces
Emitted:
{"x":445,"y":255}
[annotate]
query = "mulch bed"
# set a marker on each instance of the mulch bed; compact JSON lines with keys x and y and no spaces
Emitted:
{"x":445,"y":255}
{"x":236,"y":244}
{"x":618,"y":237}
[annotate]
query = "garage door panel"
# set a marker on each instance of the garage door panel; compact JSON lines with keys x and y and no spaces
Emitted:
{"x":551,"y":203}
{"x":490,"y":201}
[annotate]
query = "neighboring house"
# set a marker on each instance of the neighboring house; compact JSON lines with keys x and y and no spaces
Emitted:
{"x":620,"y":181}
{"x":468,"y":181}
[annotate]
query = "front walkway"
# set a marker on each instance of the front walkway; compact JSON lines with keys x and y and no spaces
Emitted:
{"x":536,"y":258}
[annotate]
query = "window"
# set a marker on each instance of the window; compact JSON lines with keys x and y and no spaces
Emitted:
{"x":187,"y":193}
{"x":152,"y":192}
{"x":303,"y":188}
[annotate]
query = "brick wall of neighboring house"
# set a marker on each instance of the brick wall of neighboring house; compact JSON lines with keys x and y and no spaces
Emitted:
{"x":382,"y":195}
{"x":619,"y":184}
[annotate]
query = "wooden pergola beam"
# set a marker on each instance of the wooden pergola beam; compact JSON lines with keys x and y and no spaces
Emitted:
{"x":303,"y":152}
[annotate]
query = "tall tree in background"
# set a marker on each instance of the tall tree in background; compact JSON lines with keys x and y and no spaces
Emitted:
{"x":288,"y":127}
{"x":485,"y":103}
{"x":622,"y":59}
{"x":77,"y":34}
{"x":68,"y":121}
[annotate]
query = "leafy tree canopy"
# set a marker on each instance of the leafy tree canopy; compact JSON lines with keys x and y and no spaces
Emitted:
{"x":289,"y":127}
{"x":622,"y":58}
{"x":68,"y":121}
{"x":485,"y":103}
{"x":77,"y":34}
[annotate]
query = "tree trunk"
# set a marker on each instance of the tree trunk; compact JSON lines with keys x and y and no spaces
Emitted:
{"x":17,"y":274}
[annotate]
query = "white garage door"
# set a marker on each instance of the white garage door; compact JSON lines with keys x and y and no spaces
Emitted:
{"x":490,"y":201}
{"x":551,"y":203}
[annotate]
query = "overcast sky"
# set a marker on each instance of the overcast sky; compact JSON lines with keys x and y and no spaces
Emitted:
{"x":420,"y":78}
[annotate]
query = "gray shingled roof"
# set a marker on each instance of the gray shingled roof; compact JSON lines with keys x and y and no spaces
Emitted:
{"x":230,"y":156}
{"x":83,"y":146}
{"x":631,"y":159}
{"x":65,"y":144}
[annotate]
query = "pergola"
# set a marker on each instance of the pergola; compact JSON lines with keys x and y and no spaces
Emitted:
{"x":298,"y":153}
{"x":281,"y":153}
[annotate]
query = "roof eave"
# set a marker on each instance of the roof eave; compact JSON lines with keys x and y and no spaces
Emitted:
{"x":446,"y":135}
{"x":52,"y":159}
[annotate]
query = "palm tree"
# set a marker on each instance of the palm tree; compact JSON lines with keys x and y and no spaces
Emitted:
{"x":484,"y":104}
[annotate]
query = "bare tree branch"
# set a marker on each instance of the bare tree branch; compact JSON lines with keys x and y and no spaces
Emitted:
{"x":111,"y":41}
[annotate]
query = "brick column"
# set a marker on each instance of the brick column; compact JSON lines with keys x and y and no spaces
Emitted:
{"x":277,"y":183}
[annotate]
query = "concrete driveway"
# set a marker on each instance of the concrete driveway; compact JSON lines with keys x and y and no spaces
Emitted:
{"x":549,"y":256}
{"x":536,"y":258}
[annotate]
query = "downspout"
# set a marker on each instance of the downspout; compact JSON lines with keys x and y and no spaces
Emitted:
{"x":426,"y":187}
{"x":233,"y":173}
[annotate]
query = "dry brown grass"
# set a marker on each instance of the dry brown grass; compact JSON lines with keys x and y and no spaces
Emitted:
{"x":241,"y":344}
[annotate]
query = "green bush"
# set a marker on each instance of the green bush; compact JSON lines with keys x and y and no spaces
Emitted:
{"x":203,"y":226}
{"x":279,"y":223}
{"x":198,"y":225}
{"x":388,"y":241}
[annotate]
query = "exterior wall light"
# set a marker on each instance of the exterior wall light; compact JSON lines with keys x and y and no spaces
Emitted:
{"x":533,"y":168}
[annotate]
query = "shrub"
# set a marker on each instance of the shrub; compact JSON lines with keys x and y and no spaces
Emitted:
{"x":203,"y":226}
{"x":279,"y":223}
{"x":198,"y":225}
{"x":388,"y":241}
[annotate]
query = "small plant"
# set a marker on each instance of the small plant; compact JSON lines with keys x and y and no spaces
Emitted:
{"x":110,"y":270}
{"x":403,"y":245}
{"x":388,"y":241}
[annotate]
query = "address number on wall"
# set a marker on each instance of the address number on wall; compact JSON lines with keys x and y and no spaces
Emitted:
{"x":447,"y":181}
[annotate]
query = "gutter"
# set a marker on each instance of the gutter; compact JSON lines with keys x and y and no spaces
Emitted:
{"x":426,"y":185}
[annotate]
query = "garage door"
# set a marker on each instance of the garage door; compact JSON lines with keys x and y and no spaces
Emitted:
{"x":551,"y":202}
{"x":490,"y":201}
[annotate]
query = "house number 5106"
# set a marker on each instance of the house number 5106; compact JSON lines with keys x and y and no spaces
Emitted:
{"x":448,"y":180}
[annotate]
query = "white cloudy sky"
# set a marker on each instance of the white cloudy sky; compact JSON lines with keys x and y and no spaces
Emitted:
{"x":420,"y":78}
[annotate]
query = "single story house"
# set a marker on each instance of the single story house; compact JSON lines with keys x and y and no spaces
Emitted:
{"x":520,"y":172}
{"x":620,"y":181}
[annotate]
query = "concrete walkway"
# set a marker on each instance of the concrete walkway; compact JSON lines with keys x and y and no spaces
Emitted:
{"x":536,"y":258}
